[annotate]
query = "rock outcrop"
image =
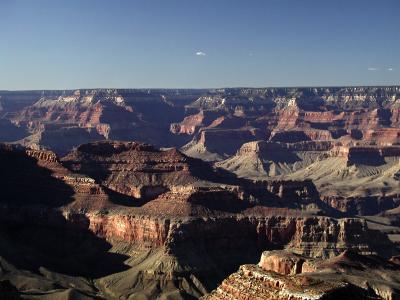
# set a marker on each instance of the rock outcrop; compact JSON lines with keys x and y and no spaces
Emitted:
{"x":289,"y":173}
{"x":341,"y":138}
{"x":283,"y":275}
{"x":135,"y":169}
{"x":182,"y":239}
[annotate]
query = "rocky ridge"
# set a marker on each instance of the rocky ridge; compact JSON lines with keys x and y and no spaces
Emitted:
{"x":183,"y":241}
{"x":284,"y":275}
{"x":299,"y":169}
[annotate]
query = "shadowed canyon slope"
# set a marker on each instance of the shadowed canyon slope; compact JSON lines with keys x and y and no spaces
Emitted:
{"x":167,"y":193}
{"x":346,"y":140}
{"x":156,"y":226}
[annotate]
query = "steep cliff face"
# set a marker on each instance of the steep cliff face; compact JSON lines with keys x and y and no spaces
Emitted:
{"x":220,"y":143}
{"x":343,"y":116}
{"x":145,"y":231}
{"x":285,"y":263}
{"x":192,"y":123}
{"x":283,"y":275}
{"x":251,"y":282}
{"x":180,"y":242}
{"x":166,"y":117}
{"x":336,"y":237}
{"x":164,"y":224}
{"x":82,"y":116}
{"x":263,"y":159}
{"x":197,"y":253}
{"x":356,"y":179}
{"x":362,"y":205}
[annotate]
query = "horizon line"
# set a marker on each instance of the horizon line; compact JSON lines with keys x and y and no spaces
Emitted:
{"x":207,"y":88}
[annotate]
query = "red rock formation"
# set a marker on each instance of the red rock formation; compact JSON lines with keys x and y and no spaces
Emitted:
{"x":281,"y":275}
{"x":251,"y":282}
{"x":395,"y":119}
{"x":282,"y":263}
{"x":225,"y":141}
{"x":363,"y":206}
{"x":189,"y":125}
{"x":134,"y":169}
{"x":289,"y":117}
{"x":42,"y":155}
{"x":322,"y":117}
{"x":323,"y":114}
{"x":382,"y":136}
{"x":144,"y":231}
{"x":208,"y":221}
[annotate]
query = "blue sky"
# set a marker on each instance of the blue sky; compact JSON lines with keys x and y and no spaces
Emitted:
{"x":53,"y":44}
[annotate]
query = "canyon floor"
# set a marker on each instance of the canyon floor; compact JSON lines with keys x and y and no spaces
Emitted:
{"x":186,"y":194}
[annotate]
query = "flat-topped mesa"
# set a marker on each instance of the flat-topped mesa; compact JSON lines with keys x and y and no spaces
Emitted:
{"x":284,"y":262}
{"x":84,"y":109}
{"x":310,"y":146}
{"x":262,"y":147}
{"x":368,"y":155}
{"x":108,"y":149}
{"x":226,"y":102}
{"x":299,"y":135}
{"x":218,"y":143}
{"x":85,"y":97}
{"x":133,"y":156}
{"x":135,"y":169}
{"x":228,"y":198}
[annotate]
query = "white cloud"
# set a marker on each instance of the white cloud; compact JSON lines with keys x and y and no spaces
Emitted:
{"x":200,"y":53}
{"x":390,"y":69}
{"x":373,"y":69}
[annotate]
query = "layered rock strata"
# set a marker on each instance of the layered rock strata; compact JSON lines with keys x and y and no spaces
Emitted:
{"x":178,"y":243}
{"x":283,"y":275}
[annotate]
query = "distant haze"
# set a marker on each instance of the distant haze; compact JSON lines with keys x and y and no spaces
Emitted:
{"x":48,"y":44}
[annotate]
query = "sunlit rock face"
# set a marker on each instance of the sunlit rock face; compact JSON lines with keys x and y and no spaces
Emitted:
{"x":173,"y":191}
{"x":173,"y":117}
{"x":189,"y":236}
{"x":284,"y":275}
